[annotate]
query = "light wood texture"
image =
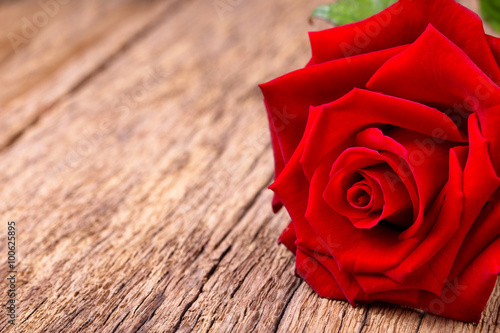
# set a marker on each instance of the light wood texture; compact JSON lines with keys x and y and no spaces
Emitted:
{"x":135,"y":159}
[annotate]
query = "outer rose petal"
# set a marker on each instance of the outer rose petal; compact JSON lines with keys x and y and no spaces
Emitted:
{"x":292,"y":187}
{"x":446,"y":77}
{"x":479,"y":184}
{"x":288,"y":238}
{"x":279,"y":163}
{"x":289,"y":97}
{"x":352,"y":290}
{"x":402,"y":24}
{"x":484,"y":231}
{"x":465,"y":297}
{"x":317,"y":277}
{"x":489,"y":121}
{"x":494,"y":43}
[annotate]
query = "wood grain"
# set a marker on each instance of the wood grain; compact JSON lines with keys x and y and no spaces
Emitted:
{"x":140,"y":193}
{"x":43,"y":61}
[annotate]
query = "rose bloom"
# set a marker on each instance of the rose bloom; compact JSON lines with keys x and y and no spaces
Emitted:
{"x":387,"y":154}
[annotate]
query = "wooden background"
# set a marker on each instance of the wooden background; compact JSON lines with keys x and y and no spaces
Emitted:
{"x":135,"y":158}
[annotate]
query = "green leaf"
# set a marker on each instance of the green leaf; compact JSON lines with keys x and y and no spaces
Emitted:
{"x":349,"y":11}
{"x":491,"y":12}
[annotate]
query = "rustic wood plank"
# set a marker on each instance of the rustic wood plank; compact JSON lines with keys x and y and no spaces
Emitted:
{"x":141,"y":198}
{"x":48,"y":48}
{"x":11,"y":14}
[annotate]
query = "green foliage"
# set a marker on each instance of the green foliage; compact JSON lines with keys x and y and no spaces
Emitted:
{"x":491,"y":12}
{"x":349,"y":11}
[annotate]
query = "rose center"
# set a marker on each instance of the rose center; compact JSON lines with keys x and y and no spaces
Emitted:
{"x":369,"y":195}
{"x":359,"y":196}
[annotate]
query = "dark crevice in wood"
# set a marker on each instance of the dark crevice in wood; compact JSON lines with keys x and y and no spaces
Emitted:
{"x":144,"y":299}
{"x":37,"y":307}
{"x":141,"y":34}
{"x":365,"y":319}
{"x":185,"y":310}
{"x":157,"y":302}
{"x":111,"y":313}
{"x":121,"y":322}
{"x":497,"y":321}
{"x":84,"y":324}
{"x":288,"y":301}
{"x":126,"y":282}
{"x":214,"y":267}
{"x":291,"y":258}
{"x":342,"y":319}
{"x":204,"y":281}
{"x":240,"y":283}
{"x":121,"y":299}
{"x":72,"y":319}
{"x":213,"y":318}
{"x":245,"y":210}
{"x":196,"y":319}
{"x":422,"y":316}
{"x":256,"y":322}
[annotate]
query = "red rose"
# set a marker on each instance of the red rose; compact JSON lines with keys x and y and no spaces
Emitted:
{"x":387,"y":155}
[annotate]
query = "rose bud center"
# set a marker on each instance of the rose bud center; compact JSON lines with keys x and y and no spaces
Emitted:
{"x":369,"y":196}
{"x":360,"y":195}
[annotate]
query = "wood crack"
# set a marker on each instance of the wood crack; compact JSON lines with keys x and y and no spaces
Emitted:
{"x":365,"y":319}
{"x":288,"y":301}
{"x":142,"y":302}
{"x":243,"y":279}
{"x":213,"y":319}
{"x":157,"y":302}
{"x":31,"y":313}
{"x":72,"y":319}
{"x":422,"y":316}
{"x":121,"y":322}
{"x":342,"y":319}
{"x":204,"y":281}
{"x":245,"y":210}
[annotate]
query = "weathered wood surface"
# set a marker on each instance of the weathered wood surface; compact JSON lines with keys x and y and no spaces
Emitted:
{"x":135,"y":159}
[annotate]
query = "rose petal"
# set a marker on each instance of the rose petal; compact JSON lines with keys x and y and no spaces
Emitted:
{"x":484,"y":231}
{"x":352,"y":291}
{"x":479,"y":183}
{"x":289,"y":97}
{"x":445,"y":224}
{"x":489,"y":121}
{"x":343,"y":119}
{"x":427,"y":158}
{"x":288,"y":238}
{"x":494,"y":44}
{"x":374,"y":138}
{"x":465,"y":297}
{"x":317,"y":277}
{"x":292,"y":188}
{"x":373,"y":283}
{"x":445,"y":78}
{"x":355,"y":250}
{"x":402,"y":24}
{"x":396,"y":198}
